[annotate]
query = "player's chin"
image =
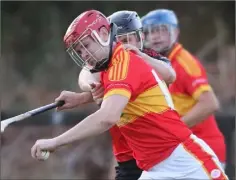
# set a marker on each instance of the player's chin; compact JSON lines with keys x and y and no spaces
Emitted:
{"x":157,"y":46}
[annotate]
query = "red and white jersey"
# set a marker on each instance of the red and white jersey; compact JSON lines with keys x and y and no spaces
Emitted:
{"x":149,"y":125}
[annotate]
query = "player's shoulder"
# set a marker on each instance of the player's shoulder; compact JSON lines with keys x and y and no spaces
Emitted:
{"x":120,"y":54}
{"x":119,"y":66}
{"x":118,"y":50}
{"x":189,"y":63}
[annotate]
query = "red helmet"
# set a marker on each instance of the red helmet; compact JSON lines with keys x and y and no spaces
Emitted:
{"x":89,"y":20}
{"x":86,"y":24}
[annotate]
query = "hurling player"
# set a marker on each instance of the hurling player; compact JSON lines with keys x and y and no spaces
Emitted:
{"x":138,"y":102}
{"x":193,"y":97}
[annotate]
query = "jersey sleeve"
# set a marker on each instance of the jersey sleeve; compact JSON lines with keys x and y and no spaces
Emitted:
{"x":194,"y":77}
{"x":120,"y":79}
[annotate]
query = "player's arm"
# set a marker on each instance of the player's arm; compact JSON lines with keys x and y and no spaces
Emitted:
{"x":89,"y":82}
{"x":206,"y":105}
{"x":96,"y":123}
{"x":73,"y":99}
{"x":165,"y":70}
{"x":117,"y":95}
{"x":197,"y":86}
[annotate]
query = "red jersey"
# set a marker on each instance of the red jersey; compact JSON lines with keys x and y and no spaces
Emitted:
{"x":190,"y":83}
{"x":121,"y":150}
{"x":148,"y":124}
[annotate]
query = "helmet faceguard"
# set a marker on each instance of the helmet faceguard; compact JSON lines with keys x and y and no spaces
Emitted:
{"x":126,"y":36}
{"x":83,"y":42}
{"x":128,"y":23}
{"x":161,"y":37}
{"x":90,"y":61}
{"x":159,"y":28}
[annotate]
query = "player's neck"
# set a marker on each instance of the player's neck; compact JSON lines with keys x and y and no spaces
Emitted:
{"x":168,"y":52}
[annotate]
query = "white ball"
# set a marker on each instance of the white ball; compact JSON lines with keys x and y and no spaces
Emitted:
{"x":45,"y":155}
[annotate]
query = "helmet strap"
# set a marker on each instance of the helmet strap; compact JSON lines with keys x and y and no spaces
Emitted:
{"x":103,"y":64}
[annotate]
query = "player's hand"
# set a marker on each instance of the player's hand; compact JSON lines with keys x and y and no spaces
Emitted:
{"x":132,"y":48}
{"x":71,"y":99}
{"x":43,"y":145}
{"x":97,"y":91}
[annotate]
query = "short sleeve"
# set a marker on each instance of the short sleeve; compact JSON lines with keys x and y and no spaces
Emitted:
{"x":120,"y":80}
{"x":194,"y":77}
